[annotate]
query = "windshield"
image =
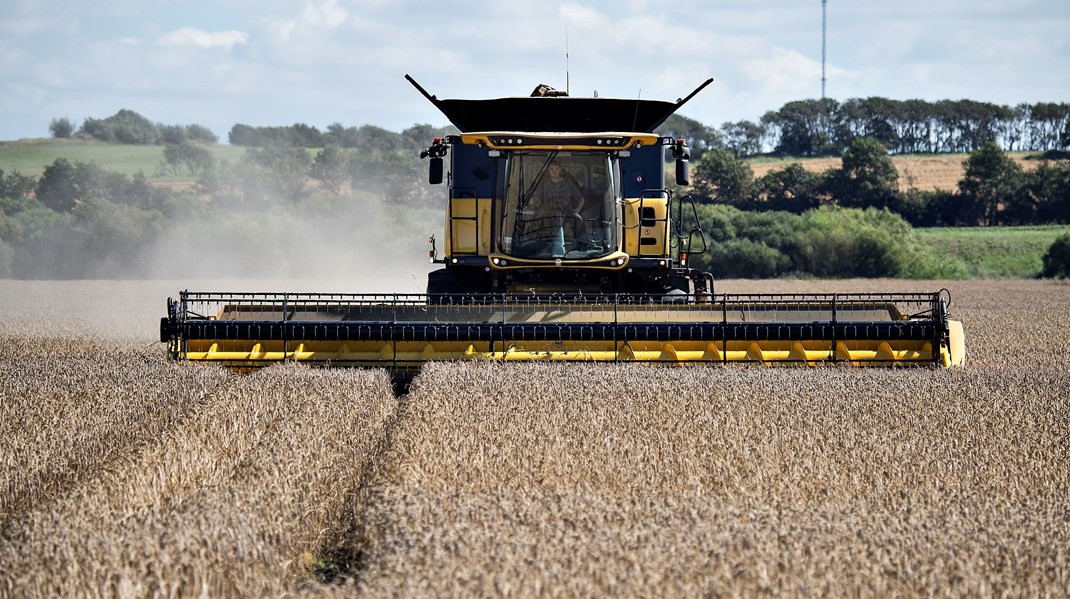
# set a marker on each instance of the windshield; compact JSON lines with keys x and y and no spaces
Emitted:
{"x":559,"y":205}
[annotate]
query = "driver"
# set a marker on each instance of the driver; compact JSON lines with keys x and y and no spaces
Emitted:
{"x":556,"y":203}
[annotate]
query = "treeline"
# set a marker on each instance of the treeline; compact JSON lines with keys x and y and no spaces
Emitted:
{"x":826,"y":127}
{"x":366,"y":137}
{"x":129,"y":127}
{"x":802,"y":128}
{"x":995,"y":189}
{"x":281,"y":210}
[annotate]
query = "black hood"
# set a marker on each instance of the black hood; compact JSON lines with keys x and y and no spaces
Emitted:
{"x":557,"y":113}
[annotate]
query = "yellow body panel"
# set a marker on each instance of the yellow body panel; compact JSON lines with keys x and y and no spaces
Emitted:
{"x":646,"y":234}
{"x":468,"y":227}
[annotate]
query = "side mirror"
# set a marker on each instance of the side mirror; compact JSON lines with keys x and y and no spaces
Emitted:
{"x":436,"y":152}
{"x":434,"y":176}
{"x":683,"y":172}
{"x":682,"y":155}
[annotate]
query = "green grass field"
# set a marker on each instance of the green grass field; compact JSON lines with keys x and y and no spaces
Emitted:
{"x":31,"y":156}
{"x":993,"y":252}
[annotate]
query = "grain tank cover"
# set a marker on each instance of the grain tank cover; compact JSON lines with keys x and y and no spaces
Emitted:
{"x":557,"y":113}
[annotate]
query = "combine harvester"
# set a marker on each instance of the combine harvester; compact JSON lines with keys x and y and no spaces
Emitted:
{"x":563,"y":242}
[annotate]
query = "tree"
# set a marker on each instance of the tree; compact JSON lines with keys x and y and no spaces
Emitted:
{"x":808,"y":128}
{"x":1048,"y":124}
{"x":64,"y":185}
{"x":61,"y":128}
{"x":284,"y":168}
{"x":994,"y":184}
{"x":1057,"y":259}
{"x":867,"y":178}
{"x":330,"y":168}
{"x":1049,"y":185}
{"x":871,"y":117}
{"x":743,"y":137}
{"x":201,"y":133}
{"x":792,"y":188}
{"x":306,"y":136}
{"x":196,"y":159}
{"x":699,"y":137}
{"x":723,"y":177}
{"x":245,"y":135}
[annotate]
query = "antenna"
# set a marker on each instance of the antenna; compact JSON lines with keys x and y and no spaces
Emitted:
{"x":638,"y":98}
{"x":566,"y":61}
{"x":824,"y":29}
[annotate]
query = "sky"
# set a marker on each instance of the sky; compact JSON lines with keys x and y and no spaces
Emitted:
{"x":276,"y":62}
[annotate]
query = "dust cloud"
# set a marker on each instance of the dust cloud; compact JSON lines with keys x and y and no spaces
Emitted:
{"x":110,"y":278}
{"x":369,"y":237}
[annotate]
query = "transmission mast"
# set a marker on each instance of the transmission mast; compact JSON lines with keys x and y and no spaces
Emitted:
{"x":824,"y":30}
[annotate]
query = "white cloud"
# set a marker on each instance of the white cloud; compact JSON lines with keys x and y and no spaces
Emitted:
{"x":317,"y":16}
{"x":581,"y":15}
{"x":188,"y":36}
{"x":783,"y":71}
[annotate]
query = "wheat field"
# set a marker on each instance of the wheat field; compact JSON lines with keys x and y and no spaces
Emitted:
{"x":923,"y":172}
{"x":126,"y":475}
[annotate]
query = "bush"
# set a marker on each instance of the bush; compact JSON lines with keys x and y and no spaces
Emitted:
{"x":828,"y":242}
{"x":717,"y":221}
{"x":774,"y":229}
{"x":1057,"y":259}
{"x":125,"y":126}
{"x":61,"y":128}
{"x":747,"y":259}
{"x":16,"y":185}
{"x":836,"y":242}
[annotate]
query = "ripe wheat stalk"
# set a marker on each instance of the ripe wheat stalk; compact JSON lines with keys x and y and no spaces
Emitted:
{"x":130,"y":476}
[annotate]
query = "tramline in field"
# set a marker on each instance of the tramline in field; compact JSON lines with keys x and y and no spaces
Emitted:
{"x":563,"y":241}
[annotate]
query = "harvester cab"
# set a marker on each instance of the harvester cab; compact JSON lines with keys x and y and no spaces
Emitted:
{"x":552,"y":194}
{"x":563,"y":242}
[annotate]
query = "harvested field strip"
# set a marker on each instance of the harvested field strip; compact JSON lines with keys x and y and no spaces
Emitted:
{"x":68,"y":408}
{"x":240,"y":498}
{"x":923,"y":172}
{"x":557,"y":479}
